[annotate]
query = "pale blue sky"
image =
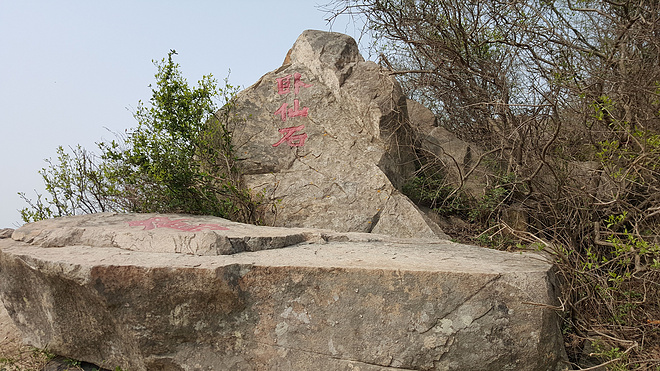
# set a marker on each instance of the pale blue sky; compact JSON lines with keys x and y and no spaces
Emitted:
{"x":71,"y":69}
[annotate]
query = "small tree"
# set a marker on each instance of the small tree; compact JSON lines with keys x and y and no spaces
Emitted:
{"x":178,"y":159}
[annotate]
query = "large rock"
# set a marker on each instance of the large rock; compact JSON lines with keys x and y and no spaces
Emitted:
{"x":197,"y":235}
{"x":459,"y":159}
{"x":327,"y":137}
{"x":334,"y":301}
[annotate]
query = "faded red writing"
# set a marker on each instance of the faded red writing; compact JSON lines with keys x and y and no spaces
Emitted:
{"x":297,"y":140}
{"x":182,"y":224}
{"x":297,"y":83}
{"x":291,"y":112}
{"x":285,"y":112}
{"x":284,"y":84}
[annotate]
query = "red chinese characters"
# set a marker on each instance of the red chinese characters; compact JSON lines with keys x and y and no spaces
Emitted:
{"x":297,"y":140}
{"x":286,"y":112}
{"x":284,"y":84}
{"x":182,"y":225}
{"x":291,"y":112}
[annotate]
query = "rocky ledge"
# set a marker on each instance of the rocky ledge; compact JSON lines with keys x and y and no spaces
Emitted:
{"x":175,"y":292}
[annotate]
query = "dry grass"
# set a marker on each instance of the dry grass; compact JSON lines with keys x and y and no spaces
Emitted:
{"x":14,"y":355}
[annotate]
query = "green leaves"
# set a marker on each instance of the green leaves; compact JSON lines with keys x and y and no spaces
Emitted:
{"x":76,"y":183}
{"x":179,"y":159}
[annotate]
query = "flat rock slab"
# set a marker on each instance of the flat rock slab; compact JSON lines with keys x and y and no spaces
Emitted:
{"x":173,"y":233}
{"x":321,"y":304}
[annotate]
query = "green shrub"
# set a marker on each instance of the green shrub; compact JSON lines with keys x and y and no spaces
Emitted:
{"x":178,"y":159}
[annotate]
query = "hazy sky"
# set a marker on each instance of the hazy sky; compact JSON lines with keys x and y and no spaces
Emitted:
{"x":71,"y":72}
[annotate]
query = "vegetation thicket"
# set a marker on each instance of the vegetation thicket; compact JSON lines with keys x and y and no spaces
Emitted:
{"x":179,"y":159}
{"x":563,"y":99}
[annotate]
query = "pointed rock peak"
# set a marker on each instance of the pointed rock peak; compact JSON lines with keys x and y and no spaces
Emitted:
{"x":332,"y":49}
{"x":325,"y":136}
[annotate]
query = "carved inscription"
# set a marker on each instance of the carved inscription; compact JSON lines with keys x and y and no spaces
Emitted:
{"x":297,"y":140}
{"x":286,"y":112}
{"x":291,"y":112}
{"x":284,"y":84}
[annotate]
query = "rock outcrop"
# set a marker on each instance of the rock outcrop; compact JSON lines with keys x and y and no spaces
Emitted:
{"x":458,"y":158}
{"x":6,"y":232}
{"x":153,"y":292}
{"x":326,"y":136}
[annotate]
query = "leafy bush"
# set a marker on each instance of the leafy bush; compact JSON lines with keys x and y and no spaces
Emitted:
{"x":178,"y":159}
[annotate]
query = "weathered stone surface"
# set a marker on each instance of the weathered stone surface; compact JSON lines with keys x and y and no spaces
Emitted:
{"x":394,"y":220}
{"x":456,"y":156}
{"x":326,"y":135}
{"x":170,"y":233}
{"x":10,"y":336}
{"x":6,"y":232}
{"x":352,"y":301}
{"x":7,"y":327}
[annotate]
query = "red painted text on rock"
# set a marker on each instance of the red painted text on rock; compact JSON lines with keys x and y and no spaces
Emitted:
{"x":284,"y":84}
{"x":294,"y":140}
{"x":182,"y":224}
{"x":286,"y":112}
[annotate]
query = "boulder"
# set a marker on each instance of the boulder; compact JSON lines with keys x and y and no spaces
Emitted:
{"x":323,"y":300}
{"x":458,"y":158}
{"x":326,"y":137}
{"x":6,"y":232}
